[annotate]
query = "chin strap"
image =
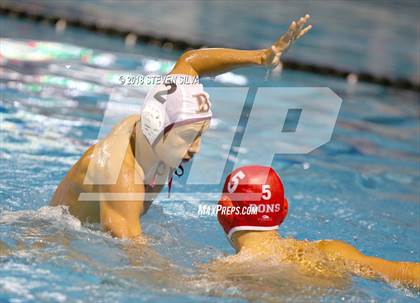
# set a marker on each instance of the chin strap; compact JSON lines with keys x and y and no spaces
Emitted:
{"x":158,"y":172}
{"x":178,"y":172}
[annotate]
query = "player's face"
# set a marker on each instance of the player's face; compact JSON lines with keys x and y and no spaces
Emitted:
{"x":181,"y":143}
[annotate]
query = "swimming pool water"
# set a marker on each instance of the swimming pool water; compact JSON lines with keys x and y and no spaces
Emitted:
{"x":362,"y":187}
{"x":378,"y":37}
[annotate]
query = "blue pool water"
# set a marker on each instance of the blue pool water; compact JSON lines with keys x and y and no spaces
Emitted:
{"x":374,"y":36}
{"x":362,"y":187}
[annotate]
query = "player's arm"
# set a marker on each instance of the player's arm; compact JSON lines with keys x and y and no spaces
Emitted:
{"x":122,"y":204}
{"x":213,"y":61}
{"x":406,"y":273}
{"x":121,"y":218}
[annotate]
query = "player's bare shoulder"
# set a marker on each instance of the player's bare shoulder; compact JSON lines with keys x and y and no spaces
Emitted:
{"x":101,"y":163}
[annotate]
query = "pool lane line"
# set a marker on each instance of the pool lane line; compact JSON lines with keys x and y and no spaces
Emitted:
{"x":131,"y":37}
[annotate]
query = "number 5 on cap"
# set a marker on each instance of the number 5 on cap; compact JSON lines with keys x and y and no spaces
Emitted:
{"x":234,"y":181}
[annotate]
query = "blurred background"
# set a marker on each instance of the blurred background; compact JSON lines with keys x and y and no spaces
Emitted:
{"x":378,"y":37}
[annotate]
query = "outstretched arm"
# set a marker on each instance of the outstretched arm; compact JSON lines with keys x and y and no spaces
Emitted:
{"x":214,"y":61}
{"x":406,"y":273}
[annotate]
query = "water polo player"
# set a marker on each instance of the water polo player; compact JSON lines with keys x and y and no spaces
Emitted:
{"x":119,"y":176}
{"x":255,"y":237}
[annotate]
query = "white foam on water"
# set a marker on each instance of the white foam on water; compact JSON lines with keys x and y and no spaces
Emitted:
{"x":19,"y":287}
{"x":23,"y":289}
{"x":52,"y":296}
{"x":58,"y":217}
{"x":58,"y":214}
{"x":187,"y":208}
{"x":23,"y":268}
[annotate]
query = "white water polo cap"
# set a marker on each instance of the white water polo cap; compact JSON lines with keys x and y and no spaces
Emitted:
{"x":179,"y":100}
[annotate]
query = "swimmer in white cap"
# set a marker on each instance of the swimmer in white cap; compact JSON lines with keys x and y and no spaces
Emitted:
{"x":116,"y":179}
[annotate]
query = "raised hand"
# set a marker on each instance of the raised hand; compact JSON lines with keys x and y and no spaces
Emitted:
{"x":296,"y":30}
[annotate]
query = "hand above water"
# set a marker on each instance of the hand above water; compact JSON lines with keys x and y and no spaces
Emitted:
{"x":296,"y":30}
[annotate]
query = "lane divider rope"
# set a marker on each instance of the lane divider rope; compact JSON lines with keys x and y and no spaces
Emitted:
{"x":131,"y":38}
